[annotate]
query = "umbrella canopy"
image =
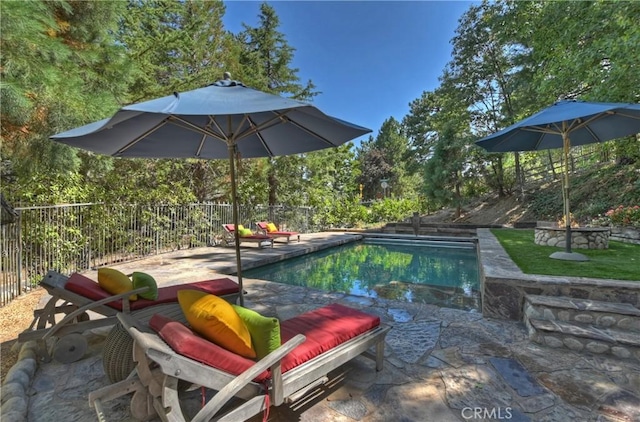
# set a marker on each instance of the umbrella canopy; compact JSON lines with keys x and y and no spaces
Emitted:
{"x":221,"y":120}
{"x":203,"y":123}
{"x":562,"y":125}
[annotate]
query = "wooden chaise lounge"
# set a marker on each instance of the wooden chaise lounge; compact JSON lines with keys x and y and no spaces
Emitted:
{"x":64,"y":317}
{"x":260,"y":239}
{"x":263,"y":226}
{"x":313,"y":344}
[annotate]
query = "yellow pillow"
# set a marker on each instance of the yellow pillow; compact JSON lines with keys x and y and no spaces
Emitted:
{"x":271,"y":228}
{"x":240,"y":227}
{"x":115,"y":282}
{"x":216,"y":320}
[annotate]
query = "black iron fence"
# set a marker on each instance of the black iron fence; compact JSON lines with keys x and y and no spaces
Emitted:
{"x":77,"y":237}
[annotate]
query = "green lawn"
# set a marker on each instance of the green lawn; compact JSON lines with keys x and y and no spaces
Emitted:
{"x":620,"y":262}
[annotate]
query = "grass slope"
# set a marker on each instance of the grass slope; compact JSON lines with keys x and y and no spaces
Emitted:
{"x":620,"y":262}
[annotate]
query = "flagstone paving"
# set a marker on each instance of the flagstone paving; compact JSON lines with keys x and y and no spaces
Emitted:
{"x":440,"y":365}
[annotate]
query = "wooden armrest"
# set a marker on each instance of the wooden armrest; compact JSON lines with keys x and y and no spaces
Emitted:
{"x":129,"y":322}
{"x":230,"y":390}
{"x":90,"y":306}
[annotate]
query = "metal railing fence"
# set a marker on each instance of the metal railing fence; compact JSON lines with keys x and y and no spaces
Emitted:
{"x":548,"y":164}
{"x":77,"y":237}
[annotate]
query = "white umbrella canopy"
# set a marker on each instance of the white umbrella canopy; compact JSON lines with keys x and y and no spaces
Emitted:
{"x":218,"y":121}
{"x":563,"y":125}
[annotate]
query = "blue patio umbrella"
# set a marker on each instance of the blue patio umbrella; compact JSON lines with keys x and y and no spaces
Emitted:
{"x":223,"y":120}
{"x":563,"y":125}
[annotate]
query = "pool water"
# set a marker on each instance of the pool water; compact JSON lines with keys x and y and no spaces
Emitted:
{"x":412,"y":272}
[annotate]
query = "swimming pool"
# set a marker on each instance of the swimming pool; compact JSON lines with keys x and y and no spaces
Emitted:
{"x":436,"y":272}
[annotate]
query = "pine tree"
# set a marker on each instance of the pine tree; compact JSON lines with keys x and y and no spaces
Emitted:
{"x":61,"y":68}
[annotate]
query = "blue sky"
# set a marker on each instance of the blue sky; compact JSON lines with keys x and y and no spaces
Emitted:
{"x":369,"y":59}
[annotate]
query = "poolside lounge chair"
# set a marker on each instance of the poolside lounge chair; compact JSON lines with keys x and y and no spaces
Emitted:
{"x":72,"y":296}
{"x":261,"y":239}
{"x":313,"y":344}
{"x":264,"y":227}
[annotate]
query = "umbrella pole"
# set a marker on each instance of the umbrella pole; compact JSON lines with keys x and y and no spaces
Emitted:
{"x":234,"y":206}
{"x":567,"y":213}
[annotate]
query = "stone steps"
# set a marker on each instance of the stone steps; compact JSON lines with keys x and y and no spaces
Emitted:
{"x":623,"y":316}
{"x":584,"y":325}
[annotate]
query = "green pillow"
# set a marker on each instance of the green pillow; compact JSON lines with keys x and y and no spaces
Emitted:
{"x":245,"y":232}
{"x":265,"y":331}
{"x":145,"y":280}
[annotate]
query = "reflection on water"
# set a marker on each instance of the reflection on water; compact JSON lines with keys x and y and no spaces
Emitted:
{"x":441,"y":276}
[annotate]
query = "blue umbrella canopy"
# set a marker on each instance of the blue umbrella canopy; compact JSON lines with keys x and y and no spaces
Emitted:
{"x":203,"y":123}
{"x":223,"y":120}
{"x":579,"y":121}
{"x":562,"y":125}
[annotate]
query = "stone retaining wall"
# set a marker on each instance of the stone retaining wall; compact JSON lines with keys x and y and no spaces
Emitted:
{"x":581,"y":238}
{"x":625,"y":234}
{"x":503,"y":298}
{"x":505,"y":285}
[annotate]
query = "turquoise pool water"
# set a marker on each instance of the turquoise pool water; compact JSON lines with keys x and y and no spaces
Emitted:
{"x":410,"y":271}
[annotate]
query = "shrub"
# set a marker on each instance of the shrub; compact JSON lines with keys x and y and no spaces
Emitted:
{"x":391,"y":209}
{"x":625,"y":216}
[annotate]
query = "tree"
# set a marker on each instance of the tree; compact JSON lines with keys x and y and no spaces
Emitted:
{"x":443,"y":171}
{"x":330,"y":175}
{"x":60,"y":67}
{"x":582,"y":50}
{"x":420,"y":127}
{"x":178,"y":46}
{"x":483,"y":71}
{"x":266,"y":58}
{"x":374,"y":169}
{"x":389,"y":158}
{"x":175,"y":46}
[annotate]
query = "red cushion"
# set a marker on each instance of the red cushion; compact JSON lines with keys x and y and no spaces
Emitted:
{"x":263,"y":226}
{"x":324,"y":328}
{"x":187,"y":343}
{"x":169,"y":294}
{"x":256,"y":236}
{"x":284,"y":233}
{"x":88,"y":288}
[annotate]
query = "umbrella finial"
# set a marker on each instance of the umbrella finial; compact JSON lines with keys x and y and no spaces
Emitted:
{"x":227,"y":81}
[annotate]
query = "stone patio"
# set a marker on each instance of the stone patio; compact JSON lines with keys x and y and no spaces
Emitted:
{"x":440,"y":365}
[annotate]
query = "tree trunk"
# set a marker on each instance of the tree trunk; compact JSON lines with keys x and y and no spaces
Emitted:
{"x":199,"y":180}
{"x":273,"y":186}
{"x":499,"y":170}
{"x":551,"y":165}
{"x":458,"y":199}
{"x":519,"y":174}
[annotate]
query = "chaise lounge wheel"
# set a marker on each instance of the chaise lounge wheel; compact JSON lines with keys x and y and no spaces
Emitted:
{"x":142,"y":406}
{"x":70,"y":348}
{"x":117,"y":357}
{"x":83,"y":317}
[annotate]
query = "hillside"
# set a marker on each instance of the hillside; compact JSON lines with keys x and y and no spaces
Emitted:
{"x":592,"y":192}
{"x":489,"y":210}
